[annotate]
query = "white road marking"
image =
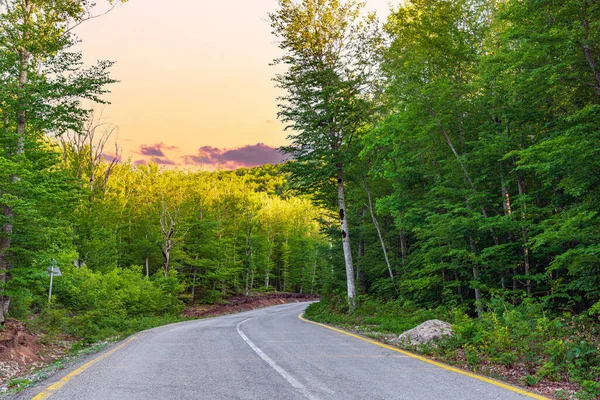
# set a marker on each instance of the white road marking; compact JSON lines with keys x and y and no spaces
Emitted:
{"x":292,"y":381}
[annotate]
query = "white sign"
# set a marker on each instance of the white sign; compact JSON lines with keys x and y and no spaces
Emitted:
{"x":55,"y":271}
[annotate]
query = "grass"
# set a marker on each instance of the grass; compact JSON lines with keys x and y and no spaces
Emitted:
{"x":16,"y":385}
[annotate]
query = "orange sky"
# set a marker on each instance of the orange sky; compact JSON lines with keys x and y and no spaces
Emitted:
{"x":192,"y":73}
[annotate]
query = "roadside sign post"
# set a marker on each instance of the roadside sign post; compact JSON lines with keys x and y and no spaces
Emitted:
{"x":53,"y":270}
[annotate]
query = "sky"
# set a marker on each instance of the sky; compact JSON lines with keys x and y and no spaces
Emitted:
{"x":195,"y":84}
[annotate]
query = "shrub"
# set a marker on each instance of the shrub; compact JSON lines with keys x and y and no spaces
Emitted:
{"x":95,"y":305}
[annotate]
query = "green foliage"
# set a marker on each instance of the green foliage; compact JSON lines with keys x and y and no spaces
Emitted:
{"x":133,"y":242}
{"x":16,"y":385}
{"x":483,"y":161}
{"x":224,"y":235}
{"x":96,"y":305}
{"x":473,"y":124}
{"x":387,"y":317}
{"x":549,"y":347}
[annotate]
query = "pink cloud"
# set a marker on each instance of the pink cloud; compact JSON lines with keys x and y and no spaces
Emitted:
{"x":108,"y":157}
{"x":247,"y":156}
{"x":155,"y":150}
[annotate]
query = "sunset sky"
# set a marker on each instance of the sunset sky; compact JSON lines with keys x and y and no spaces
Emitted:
{"x":195,"y":81}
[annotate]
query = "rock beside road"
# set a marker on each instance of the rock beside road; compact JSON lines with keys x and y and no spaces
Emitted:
{"x":427,"y":332}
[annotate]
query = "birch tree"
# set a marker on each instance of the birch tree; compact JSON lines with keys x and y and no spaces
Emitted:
{"x":329,"y":52}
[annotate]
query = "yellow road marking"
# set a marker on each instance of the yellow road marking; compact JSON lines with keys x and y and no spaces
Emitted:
{"x":50,"y":390}
{"x":428,"y":361}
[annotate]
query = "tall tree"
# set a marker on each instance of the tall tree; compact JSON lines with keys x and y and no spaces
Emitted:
{"x":329,"y":52}
{"x":42,"y":86}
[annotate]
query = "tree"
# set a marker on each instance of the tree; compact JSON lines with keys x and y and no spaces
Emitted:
{"x":42,"y":87}
{"x":330,"y":54}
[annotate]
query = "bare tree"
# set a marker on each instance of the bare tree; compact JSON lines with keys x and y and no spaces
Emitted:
{"x":84,"y":152}
{"x":169,"y":218}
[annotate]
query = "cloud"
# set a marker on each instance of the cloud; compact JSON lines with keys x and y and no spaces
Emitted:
{"x":156,"y":150}
{"x":247,"y":156}
{"x":171,"y":148}
{"x":156,"y":160}
{"x":153,"y":151}
{"x":163,"y":161}
{"x":108,"y":157}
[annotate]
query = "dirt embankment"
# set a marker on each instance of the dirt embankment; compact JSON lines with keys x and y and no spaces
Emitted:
{"x":21,"y":351}
{"x":247,"y":303}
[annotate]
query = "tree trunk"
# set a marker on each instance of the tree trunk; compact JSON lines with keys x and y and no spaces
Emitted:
{"x":267,"y":278}
{"x":270,"y":243}
{"x":248,"y":254}
{"x":360,"y":271}
{"x":506,"y":204}
{"x":376,"y":224}
{"x":476,"y":279}
{"x":314,"y":275}
{"x":589,"y":54}
{"x":524,"y":232}
{"x":346,"y":242}
{"x":403,"y":249}
{"x":506,"y":200}
{"x":167,"y":256}
{"x":464,"y":169}
{"x":302,"y":279}
{"x":194,"y":283}
{"x":267,"y":266}
{"x":477,"y":290}
{"x":147,"y":263}
{"x":168,"y":226}
{"x":5,"y":240}
{"x":361,"y":253}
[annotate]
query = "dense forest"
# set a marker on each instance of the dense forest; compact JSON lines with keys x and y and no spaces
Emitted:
{"x":459,"y":142}
{"x":456,"y":145}
{"x":463,"y":139}
{"x":134,"y":243}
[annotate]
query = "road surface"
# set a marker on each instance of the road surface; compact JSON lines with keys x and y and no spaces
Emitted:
{"x":262,"y":354}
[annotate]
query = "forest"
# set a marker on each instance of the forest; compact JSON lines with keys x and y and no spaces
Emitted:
{"x":134,"y":243}
{"x":459,"y":143}
{"x":444,"y":163}
{"x":464,"y":138}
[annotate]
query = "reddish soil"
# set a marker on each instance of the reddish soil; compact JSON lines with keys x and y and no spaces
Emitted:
{"x":18,"y":345}
{"x":246,"y":303}
{"x":22,"y":352}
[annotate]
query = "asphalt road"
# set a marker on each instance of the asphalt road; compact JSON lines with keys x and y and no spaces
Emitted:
{"x":262,"y":354}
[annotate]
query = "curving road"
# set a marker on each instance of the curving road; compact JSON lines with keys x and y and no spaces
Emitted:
{"x":262,"y":354}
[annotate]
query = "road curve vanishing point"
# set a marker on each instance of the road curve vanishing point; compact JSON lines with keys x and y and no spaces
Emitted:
{"x":264,"y":354}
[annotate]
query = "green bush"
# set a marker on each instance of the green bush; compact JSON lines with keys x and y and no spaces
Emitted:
{"x":549,"y":346}
{"x":388,"y":317}
{"x":94,"y":305}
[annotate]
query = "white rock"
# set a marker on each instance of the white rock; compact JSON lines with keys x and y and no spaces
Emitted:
{"x":427,"y":332}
